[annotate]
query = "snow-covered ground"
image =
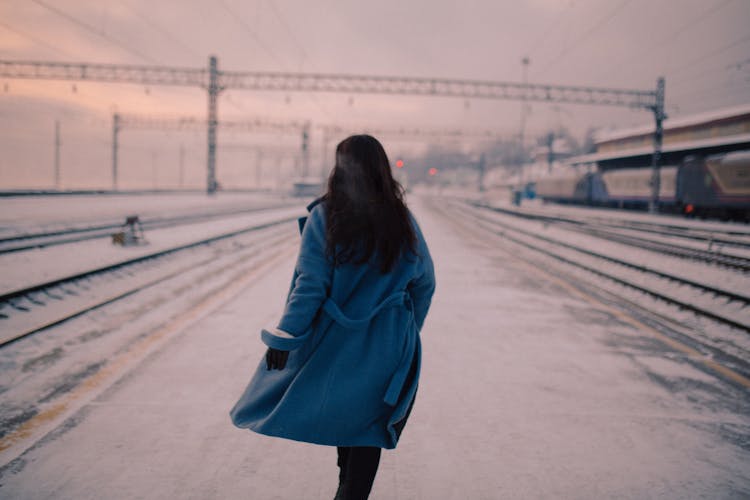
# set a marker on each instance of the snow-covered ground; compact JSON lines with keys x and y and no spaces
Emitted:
{"x":698,"y":329}
{"x":23,"y":269}
{"x":538,"y":206}
{"x":31,"y":214}
{"x":528,"y":390}
{"x":611,"y":215}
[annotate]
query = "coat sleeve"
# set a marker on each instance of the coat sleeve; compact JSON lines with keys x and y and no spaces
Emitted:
{"x":312,"y":281}
{"x":422,"y":287}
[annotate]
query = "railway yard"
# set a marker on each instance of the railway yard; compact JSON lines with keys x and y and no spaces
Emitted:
{"x":570,"y":352}
{"x":537,"y":268}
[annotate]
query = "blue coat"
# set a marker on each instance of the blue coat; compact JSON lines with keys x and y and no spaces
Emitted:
{"x":353,"y":335}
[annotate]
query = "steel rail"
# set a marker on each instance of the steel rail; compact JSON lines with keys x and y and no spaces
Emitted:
{"x":732,"y":366}
{"x":583,"y":226}
{"x":119,"y":295}
{"x":646,"y":227}
{"x":729,"y":261}
{"x":5,"y":297}
{"x":680,"y":303}
{"x":101,"y":231}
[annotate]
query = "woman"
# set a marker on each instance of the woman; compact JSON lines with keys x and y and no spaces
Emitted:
{"x":342,"y":366}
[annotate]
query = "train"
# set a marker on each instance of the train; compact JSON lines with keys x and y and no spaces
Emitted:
{"x":714,"y":186}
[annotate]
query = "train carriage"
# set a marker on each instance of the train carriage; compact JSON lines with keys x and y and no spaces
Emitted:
{"x":710,"y":186}
{"x":631,"y":187}
{"x":717,"y":185}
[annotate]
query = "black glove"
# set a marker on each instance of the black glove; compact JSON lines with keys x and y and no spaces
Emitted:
{"x":275,"y":359}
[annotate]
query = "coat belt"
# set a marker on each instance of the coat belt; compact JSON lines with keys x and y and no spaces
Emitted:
{"x":333,"y":310}
{"x":398,"y":379}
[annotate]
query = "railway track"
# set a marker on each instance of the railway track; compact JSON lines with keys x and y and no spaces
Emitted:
{"x":29,"y":310}
{"x":30,"y":241}
{"x":730,"y":250}
{"x":706,"y":320}
{"x":655,"y":282}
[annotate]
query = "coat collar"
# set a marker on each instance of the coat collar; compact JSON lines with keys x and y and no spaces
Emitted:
{"x":302,"y":220}
{"x":314,"y":203}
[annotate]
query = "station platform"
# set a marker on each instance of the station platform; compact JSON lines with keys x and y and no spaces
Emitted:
{"x":529,"y":389}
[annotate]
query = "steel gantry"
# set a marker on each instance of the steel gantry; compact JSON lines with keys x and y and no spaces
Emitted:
{"x":214,"y":81}
{"x":154,"y":122}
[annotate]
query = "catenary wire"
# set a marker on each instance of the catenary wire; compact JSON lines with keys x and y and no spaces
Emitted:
{"x":262,"y":45}
{"x":35,"y":39}
{"x":550,"y":27}
{"x":93,"y":30}
{"x":600,"y":23}
{"x":156,"y":27}
{"x":289,"y":31}
{"x":720,"y":69}
{"x":623,"y":65}
{"x":712,"y":53}
{"x":238,"y":19}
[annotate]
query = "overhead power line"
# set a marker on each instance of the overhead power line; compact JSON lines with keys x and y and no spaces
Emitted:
{"x":549,"y":28}
{"x":95,"y":31}
{"x":35,"y":39}
{"x":601,"y":22}
{"x":713,"y":90}
{"x":712,"y":53}
{"x":289,"y":31}
{"x":700,"y":17}
{"x":721,"y":69}
{"x":623,"y":65}
{"x":238,"y":19}
{"x":166,"y":34}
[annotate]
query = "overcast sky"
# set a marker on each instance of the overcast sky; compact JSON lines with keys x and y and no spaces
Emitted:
{"x":701,"y":47}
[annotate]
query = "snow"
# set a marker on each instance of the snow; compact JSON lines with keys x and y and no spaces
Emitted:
{"x":624,"y":216}
{"x":722,"y":279}
{"x":528,"y":390}
{"x":22,"y":269}
{"x":35,"y":213}
{"x":731,"y":341}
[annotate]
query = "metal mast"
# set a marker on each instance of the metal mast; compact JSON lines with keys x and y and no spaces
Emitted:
{"x":213,"y":94}
{"x":659,"y":116}
{"x":305,"y":150}
{"x":115,"y":147}
{"x":57,"y":154}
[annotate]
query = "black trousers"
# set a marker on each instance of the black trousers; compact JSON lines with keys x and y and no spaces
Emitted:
{"x":357,"y":468}
{"x":358,"y":465}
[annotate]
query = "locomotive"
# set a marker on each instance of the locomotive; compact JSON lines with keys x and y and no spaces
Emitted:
{"x":716,"y":186}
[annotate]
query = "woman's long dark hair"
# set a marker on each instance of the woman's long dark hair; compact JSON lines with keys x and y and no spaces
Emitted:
{"x":365,"y":210}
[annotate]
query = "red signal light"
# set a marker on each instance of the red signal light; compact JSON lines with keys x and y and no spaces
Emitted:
{"x":399,"y":163}
{"x":432,"y":171}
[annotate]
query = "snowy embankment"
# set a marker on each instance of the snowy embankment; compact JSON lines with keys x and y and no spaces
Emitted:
{"x":625,"y":216}
{"x":33,"y":214}
{"x":24,"y":269}
{"x":46,"y":370}
{"x":725,"y":339}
